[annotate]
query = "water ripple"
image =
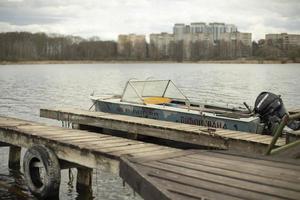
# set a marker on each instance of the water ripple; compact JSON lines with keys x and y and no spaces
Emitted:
{"x":25,"y":89}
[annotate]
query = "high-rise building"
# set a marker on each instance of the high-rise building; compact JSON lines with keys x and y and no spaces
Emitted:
{"x":197,"y":43}
{"x":180,"y":30}
{"x":216,"y":29}
{"x":199,"y":27}
{"x":132,"y":46}
{"x":235,"y":44}
{"x":230,"y":28}
{"x":283,"y":41}
{"x":200,"y":40}
{"x":160,"y":45}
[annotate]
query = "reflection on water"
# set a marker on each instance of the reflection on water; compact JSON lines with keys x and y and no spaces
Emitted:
{"x":24,"y":89}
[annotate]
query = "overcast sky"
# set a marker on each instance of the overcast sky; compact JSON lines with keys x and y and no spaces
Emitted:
{"x":108,"y":18}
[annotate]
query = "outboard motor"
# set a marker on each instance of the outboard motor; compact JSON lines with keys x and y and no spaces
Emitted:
{"x":271,"y":110}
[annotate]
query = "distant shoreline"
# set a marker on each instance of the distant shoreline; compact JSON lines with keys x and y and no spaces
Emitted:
{"x":238,"y":61}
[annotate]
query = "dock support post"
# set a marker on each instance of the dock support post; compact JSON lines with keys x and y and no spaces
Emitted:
{"x":84,"y":179}
{"x":14,"y":157}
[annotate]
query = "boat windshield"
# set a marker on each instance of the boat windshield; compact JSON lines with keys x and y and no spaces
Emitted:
{"x":152,"y":92}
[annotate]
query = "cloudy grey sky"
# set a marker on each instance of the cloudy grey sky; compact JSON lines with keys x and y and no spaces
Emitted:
{"x":108,"y":18}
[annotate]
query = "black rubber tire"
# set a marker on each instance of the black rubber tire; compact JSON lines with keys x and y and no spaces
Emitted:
{"x":45,"y":185}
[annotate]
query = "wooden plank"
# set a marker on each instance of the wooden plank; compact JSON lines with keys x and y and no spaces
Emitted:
{"x":237,"y":168}
{"x":155,"y":153}
{"x":57,"y":132}
{"x":160,"y":129}
{"x":150,"y":188}
{"x":180,"y":153}
{"x":257,"y":137}
{"x":192,"y":192}
{"x":101,"y":139}
{"x":100,"y":147}
{"x":35,"y":128}
{"x":247,"y":136}
{"x":69,"y":133}
{"x":141,"y":151}
{"x":9,"y":122}
{"x":234,"y":134}
{"x":238,"y":137}
{"x":147,"y":188}
{"x":112,"y":138}
{"x":81,"y":140}
{"x":190,"y":128}
{"x":83,"y":144}
{"x":248,"y":163}
{"x":226,"y":133}
{"x":234,"y":174}
{"x":67,"y":137}
{"x":126,"y":147}
{"x":265,"y":139}
{"x":251,"y":159}
{"x":48,"y":132}
{"x":289,"y":161}
{"x":238,"y":187}
{"x":267,"y":171}
{"x":219,"y":130}
{"x":65,"y":152}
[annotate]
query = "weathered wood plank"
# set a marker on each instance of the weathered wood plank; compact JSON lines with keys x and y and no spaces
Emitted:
{"x":164,"y":156}
{"x":155,"y":153}
{"x":186,"y":133}
{"x":63,"y":151}
{"x":81,"y":140}
{"x":239,"y":165}
{"x":256,"y":160}
{"x":166,"y":173}
{"x":150,"y":188}
{"x":126,"y":147}
{"x":70,"y":145}
{"x":184,"y":176}
{"x":102,"y":147}
{"x":236,"y":187}
{"x":234,"y":174}
{"x":93,"y":138}
{"x":237,"y":168}
{"x":67,"y":137}
{"x":135,"y":152}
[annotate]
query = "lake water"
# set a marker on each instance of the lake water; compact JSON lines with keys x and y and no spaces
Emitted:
{"x":24,"y":89}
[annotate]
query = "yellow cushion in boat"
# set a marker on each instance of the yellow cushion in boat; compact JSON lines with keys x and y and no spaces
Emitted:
{"x":156,"y":100}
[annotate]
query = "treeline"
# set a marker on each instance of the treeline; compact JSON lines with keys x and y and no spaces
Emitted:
{"x":24,"y":46}
{"x":268,"y":50}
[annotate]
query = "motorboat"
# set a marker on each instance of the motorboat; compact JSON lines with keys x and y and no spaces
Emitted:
{"x":163,"y":100}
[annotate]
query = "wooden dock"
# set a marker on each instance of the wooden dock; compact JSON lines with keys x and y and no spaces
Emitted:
{"x":84,"y":148}
{"x":220,"y":175}
{"x":190,"y":134}
{"x":154,"y":171}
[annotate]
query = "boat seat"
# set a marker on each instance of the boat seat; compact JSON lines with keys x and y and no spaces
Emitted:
{"x":156,"y":100}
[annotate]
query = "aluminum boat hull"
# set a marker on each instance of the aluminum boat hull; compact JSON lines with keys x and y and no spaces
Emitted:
{"x":179,"y":115}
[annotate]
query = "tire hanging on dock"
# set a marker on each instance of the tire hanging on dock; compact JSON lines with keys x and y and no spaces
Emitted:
{"x":42,"y":172}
